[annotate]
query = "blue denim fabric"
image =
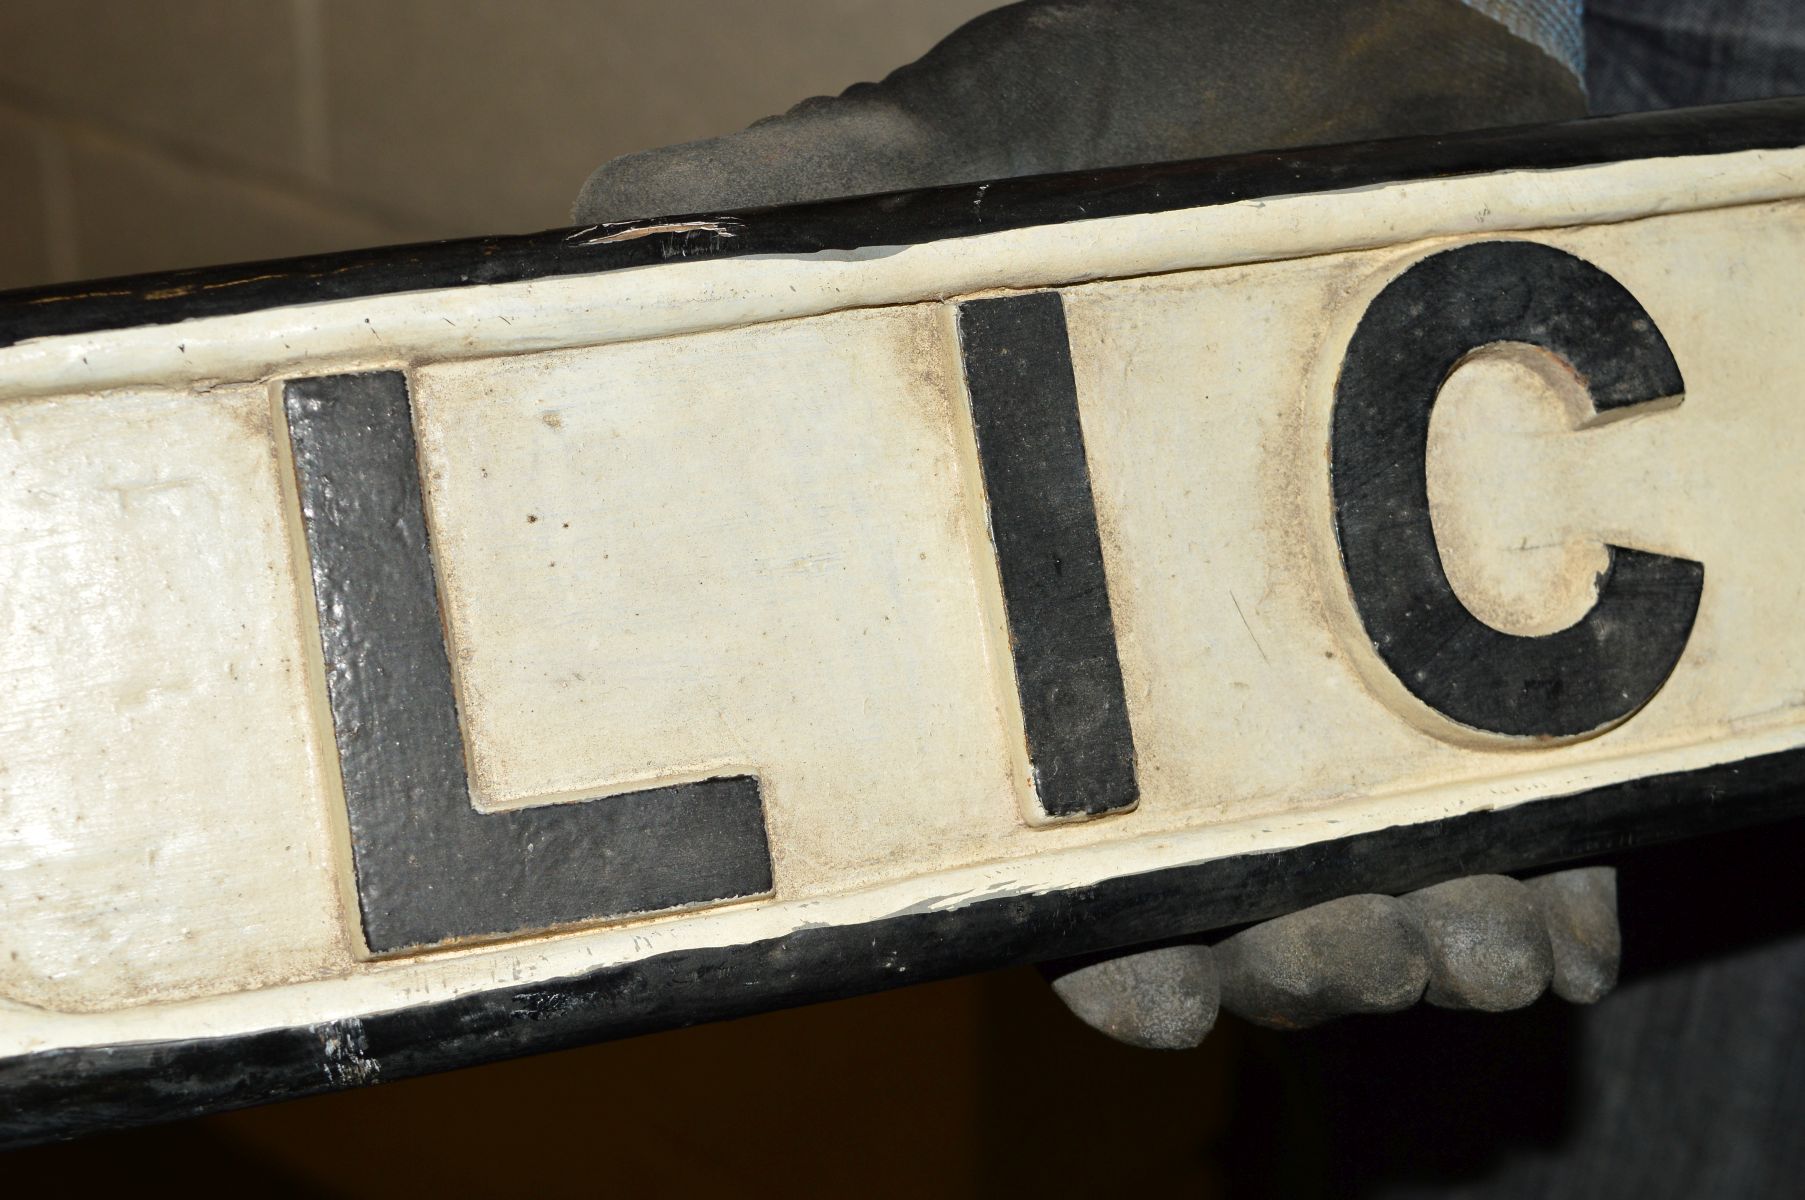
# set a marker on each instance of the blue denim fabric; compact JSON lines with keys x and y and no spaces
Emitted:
{"x":1644,"y":54}
{"x":1554,"y":25}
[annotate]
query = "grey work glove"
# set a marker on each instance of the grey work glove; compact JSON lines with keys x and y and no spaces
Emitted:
{"x":1067,"y":85}
{"x":1071,"y":85}
{"x":1484,"y":943}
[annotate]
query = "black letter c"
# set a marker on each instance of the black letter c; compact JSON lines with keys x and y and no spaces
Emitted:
{"x":1415,"y":333}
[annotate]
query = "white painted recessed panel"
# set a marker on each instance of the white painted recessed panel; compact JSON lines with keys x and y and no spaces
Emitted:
{"x":163,"y":827}
{"x":744,"y":551}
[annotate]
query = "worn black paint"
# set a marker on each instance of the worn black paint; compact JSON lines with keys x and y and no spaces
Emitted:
{"x":429,"y":867}
{"x":1043,"y":524}
{"x":61,"y":1093}
{"x":900,"y":218}
{"x":1413,"y":335}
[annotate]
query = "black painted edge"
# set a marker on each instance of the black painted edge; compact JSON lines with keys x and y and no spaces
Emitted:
{"x":900,"y":218}
{"x":64,"y":1093}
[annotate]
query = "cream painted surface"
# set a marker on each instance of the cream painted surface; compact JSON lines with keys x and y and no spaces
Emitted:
{"x":760,"y":562}
{"x":1500,"y":490}
{"x":772,"y":563}
{"x":161,"y":816}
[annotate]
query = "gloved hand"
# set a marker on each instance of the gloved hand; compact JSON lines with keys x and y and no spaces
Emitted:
{"x":1069,"y":85}
{"x":1066,"y":85}
{"x":1485,"y":943}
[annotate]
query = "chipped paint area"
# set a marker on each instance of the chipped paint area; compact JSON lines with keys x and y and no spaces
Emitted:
{"x":345,"y":1054}
{"x":626,"y":231}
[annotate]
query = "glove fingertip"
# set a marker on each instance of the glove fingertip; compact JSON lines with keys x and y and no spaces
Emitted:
{"x":1579,"y":908}
{"x":1161,"y":999}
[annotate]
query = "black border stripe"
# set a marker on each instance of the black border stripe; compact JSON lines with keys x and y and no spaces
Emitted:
{"x":900,"y":218}
{"x":63,"y":1093}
